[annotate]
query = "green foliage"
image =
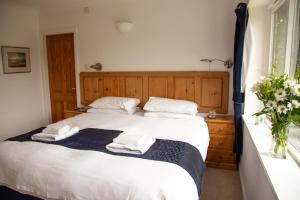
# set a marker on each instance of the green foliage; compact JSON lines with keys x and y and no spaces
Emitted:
{"x":274,"y":67}
{"x":297,"y":75}
{"x":281,"y":101}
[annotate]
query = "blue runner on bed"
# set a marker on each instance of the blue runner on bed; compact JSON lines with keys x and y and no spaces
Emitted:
{"x":180,"y":153}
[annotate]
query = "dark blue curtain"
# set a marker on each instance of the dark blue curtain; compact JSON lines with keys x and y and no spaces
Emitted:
{"x":238,"y":96}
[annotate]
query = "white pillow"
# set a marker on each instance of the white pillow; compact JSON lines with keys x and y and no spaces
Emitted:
{"x":158,"y":104}
{"x":106,"y":110}
{"x":125,"y":103}
{"x":169,"y":115}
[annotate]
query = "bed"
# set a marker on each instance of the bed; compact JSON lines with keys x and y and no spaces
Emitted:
{"x":51,"y":171}
{"x":56,"y":172}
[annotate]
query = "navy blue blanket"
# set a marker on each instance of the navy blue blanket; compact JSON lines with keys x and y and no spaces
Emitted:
{"x":180,"y":153}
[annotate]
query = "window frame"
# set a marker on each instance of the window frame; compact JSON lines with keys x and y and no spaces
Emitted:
{"x":295,"y":40}
{"x":291,"y":47}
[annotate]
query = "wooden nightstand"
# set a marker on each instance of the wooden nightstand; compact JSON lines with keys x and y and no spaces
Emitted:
{"x":73,"y":113}
{"x":220,"y":151}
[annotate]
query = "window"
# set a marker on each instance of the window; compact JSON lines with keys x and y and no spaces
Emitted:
{"x":280,"y":30}
{"x":294,"y":134}
{"x":285,"y":51}
{"x":297,"y":36}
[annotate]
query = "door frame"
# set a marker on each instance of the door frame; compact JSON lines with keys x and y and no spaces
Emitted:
{"x":44,"y":68}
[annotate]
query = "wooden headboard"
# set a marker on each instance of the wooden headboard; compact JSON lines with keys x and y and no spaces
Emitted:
{"x":208,"y":89}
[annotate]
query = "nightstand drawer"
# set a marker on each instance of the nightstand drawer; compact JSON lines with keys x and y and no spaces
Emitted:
{"x":219,"y":141}
{"x":221,"y":128}
{"x":228,"y":166}
{"x":220,"y":156}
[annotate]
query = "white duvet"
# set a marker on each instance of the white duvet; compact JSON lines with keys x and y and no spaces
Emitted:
{"x":56,"y":172}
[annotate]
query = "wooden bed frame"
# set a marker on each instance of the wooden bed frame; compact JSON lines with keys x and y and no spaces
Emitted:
{"x":208,"y":89}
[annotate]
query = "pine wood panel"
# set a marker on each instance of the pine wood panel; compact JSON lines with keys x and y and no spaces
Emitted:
{"x":111,"y":86}
{"x":91,"y":89}
{"x":134,"y":87}
{"x":213,"y":97}
{"x":158,"y":86}
{"x":208,"y":89}
{"x":61,"y":71}
{"x":184,"y":88}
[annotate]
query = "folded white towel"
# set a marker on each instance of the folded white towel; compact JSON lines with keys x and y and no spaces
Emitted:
{"x":142,"y":144}
{"x":57,"y":131}
{"x":57,"y":125}
{"x":57,"y":128}
{"x":54,"y":137}
{"x":132,"y":138}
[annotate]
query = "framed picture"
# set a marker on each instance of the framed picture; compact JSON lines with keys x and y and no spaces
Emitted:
{"x":15,"y":59}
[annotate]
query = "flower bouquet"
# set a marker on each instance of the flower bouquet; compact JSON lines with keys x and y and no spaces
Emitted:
{"x":281,"y":99}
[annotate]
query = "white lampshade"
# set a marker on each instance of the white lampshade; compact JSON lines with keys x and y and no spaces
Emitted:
{"x":124,"y":26}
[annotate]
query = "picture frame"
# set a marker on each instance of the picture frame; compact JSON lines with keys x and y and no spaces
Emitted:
{"x":15,"y":59}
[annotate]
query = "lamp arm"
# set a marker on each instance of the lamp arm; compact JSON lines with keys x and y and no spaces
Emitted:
{"x":227,"y":63}
{"x":216,"y":59}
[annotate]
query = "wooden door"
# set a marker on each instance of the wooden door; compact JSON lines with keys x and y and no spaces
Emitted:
{"x":61,"y":70}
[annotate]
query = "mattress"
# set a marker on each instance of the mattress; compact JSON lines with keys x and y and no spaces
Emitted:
{"x":56,"y":172}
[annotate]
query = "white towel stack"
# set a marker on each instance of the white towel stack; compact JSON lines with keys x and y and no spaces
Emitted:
{"x":131,"y":142}
{"x":56,"y":132}
{"x":58,"y":128}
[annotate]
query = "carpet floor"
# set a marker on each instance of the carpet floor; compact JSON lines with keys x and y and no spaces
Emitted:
{"x":221,"y":184}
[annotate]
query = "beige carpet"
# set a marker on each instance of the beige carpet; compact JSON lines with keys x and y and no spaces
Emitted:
{"x":221,"y":184}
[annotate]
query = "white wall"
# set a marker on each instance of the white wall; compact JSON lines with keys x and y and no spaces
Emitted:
{"x":255,"y":181}
{"x":167,"y":35}
{"x":20,"y":94}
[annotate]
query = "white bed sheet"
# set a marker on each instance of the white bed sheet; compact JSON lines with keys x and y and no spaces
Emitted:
{"x":56,"y":172}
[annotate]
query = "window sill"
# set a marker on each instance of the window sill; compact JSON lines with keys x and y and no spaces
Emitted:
{"x":283,"y":174}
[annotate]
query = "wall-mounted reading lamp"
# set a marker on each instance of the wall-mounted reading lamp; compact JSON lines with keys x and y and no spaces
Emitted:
{"x":227,"y":63}
{"x":97,"y":67}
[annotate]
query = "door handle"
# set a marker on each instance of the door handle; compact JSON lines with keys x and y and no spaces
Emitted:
{"x":73,"y":88}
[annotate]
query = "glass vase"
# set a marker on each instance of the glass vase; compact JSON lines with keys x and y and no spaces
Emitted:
{"x":279,"y":144}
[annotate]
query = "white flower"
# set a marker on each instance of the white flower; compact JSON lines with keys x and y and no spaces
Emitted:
{"x":295,"y":104}
{"x":296,"y":89}
{"x":281,"y":109}
{"x":280,"y":95}
{"x":271,"y":104}
{"x":262,"y":78}
{"x":255,"y":87}
{"x":289,"y":106}
{"x":289,"y":83}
